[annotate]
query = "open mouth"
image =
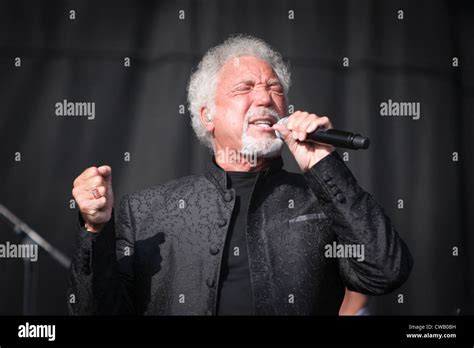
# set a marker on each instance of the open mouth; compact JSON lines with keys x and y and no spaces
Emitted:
{"x":263,"y":122}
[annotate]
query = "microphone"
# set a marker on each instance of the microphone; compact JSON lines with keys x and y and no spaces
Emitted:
{"x":333,"y":137}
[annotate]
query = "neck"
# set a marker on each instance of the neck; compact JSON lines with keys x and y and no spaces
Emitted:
{"x":262,"y":164}
{"x":242,"y":163}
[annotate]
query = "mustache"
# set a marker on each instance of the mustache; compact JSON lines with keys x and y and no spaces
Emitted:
{"x":263,"y":112}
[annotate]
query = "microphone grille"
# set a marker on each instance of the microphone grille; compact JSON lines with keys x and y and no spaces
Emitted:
{"x":284,"y":121}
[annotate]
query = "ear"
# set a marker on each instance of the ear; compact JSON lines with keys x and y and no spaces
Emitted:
{"x":203,"y":115}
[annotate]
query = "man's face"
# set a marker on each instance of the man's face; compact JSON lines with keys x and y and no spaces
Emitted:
{"x":248,"y":94}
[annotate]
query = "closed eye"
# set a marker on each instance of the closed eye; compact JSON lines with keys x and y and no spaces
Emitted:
{"x":243,"y":88}
{"x":247,"y":88}
{"x":277,"y":88}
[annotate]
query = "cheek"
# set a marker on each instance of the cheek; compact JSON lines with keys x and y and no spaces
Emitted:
{"x":279,"y":101}
{"x":229,"y":126}
{"x":233,"y":114}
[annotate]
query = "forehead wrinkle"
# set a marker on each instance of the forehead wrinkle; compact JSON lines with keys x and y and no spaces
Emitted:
{"x":253,"y":73}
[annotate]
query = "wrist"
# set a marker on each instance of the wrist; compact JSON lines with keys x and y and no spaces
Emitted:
{"x":93,"y":228}
{"x":318,"y":156}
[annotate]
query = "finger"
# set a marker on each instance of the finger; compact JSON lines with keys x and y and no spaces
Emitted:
{"x":307,"y":122}
{"x":282,"y":129}
{"x":91,"y":207}
{"x":319,"y":123}
{"x":98,"y":192}
{"x":285,"y":133}
{"x":323,"y":122}
{"x":86,"y":193}
{"x":94,"y":182}
{"x":85,"y":198}
{"x":99,"y":204}
{"x":105,"y":171}
{"x":291,"y":119}
{"x":312,"y":127}
{"x":302,"y":136}
{"x":326,"y":122}
{"x":304,"y":124}
{"x":88,"y":173}
{"x":76,"y":192}
{"x":297,"y":119}
{"x":80,"y":193}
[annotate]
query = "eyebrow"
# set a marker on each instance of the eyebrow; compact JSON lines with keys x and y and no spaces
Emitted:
{"x":245,"y":82}
{"x":273,"y":82}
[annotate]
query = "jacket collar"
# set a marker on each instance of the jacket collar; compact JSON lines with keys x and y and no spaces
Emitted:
{"x":218,"y":176}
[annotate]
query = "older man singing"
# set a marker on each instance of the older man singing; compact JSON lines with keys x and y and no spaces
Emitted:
{"x":245,"y":237}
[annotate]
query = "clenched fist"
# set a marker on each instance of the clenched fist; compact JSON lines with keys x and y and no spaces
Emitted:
{"x":93,"y":194}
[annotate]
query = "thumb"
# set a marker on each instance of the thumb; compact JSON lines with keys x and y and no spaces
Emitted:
{"x":285,"y":133}
{"x":106,"y":172}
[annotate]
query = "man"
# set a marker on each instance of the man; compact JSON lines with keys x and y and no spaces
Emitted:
{"x":246,"y":237}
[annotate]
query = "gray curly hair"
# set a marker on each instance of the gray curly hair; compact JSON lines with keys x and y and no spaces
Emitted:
{"x":203,"y":81}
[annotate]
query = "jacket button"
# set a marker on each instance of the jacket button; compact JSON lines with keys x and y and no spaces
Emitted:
{"x":340,"y":198}
{"x":210,"y":282}
{"x":228,"y":196}
{"x":214,"y":250}
{"x":326,"y":177}
{"x":221,"y":223}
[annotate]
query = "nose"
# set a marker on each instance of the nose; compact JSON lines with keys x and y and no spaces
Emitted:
{"x":262,"y":97}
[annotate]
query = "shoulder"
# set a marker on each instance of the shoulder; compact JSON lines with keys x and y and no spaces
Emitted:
{"x":160,"y":193}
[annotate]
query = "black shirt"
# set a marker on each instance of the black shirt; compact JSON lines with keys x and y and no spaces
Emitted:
{"x":235,"y":288}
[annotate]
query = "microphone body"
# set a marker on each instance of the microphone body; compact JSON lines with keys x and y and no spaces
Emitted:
{"x":333,"y":137}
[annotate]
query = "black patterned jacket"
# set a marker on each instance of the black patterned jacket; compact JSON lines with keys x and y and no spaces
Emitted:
{"x":163,"y":254}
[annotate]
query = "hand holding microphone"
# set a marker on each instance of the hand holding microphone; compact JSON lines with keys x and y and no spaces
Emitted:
{"x":333,"y":137}
{"x":310,"y":138}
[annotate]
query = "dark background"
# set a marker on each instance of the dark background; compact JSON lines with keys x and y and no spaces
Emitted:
{"x":137,"y":111}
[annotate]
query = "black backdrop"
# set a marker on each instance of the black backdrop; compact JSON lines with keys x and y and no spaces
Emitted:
{"x":138,"y":111}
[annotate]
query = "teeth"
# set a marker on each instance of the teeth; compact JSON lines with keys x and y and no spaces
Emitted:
{"x":262,"y":125}
{"x":263,"y":122}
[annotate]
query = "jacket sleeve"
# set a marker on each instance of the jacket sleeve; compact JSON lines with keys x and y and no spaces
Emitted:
{"x":357,"y":219}
{"x":101,"y":274}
